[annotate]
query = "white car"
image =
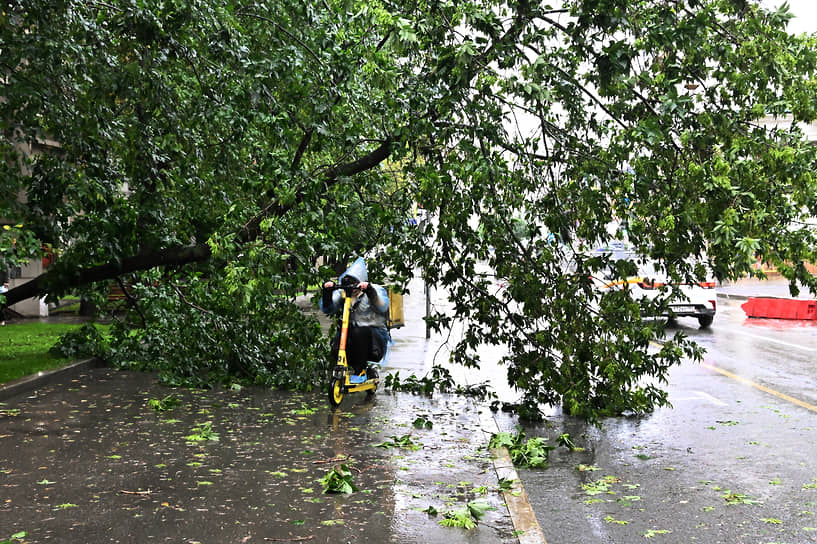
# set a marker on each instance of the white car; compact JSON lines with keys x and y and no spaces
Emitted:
{"x":698,"y":300}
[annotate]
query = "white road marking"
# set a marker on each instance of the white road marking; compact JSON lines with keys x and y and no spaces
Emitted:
{"x":714,"y":400}
{"x":700,"y":395}
{"x":781,"y":342}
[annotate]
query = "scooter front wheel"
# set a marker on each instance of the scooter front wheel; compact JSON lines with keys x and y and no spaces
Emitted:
{"x":336,"y":387}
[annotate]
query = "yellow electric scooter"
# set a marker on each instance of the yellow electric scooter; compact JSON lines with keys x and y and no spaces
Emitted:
{"x":343,"y":381}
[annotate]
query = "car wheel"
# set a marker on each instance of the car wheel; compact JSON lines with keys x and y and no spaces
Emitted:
{"x":705,"y":320}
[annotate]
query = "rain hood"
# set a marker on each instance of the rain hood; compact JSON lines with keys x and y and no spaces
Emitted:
{"x":356,"y":270}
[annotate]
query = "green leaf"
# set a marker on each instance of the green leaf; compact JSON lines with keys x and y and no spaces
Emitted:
{"x":458,"y":518}
{"x":532,"y":452}
{"x":338,"y":480}
{"x":478,"y":509}
{"x":404,"y":441}
{"x":203,"y":432}
{"x":422,"y":423}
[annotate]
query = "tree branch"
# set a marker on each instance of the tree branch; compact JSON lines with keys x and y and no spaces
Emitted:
{"x":173,"y":256}
{"x":184,"y":255}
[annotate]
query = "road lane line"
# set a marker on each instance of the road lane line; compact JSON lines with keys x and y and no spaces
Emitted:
{"x":760,"y":387}
{"x":699,"y":396}
{"x":781,"y":342}
{"x":714,"y":400}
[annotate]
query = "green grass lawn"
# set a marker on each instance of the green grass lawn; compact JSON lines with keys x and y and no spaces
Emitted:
{"x":24,"y":348}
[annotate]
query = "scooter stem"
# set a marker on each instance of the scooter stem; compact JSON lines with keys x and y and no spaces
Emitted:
{"x":344,"y":330}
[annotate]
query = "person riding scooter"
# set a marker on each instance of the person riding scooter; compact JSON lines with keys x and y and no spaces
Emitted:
{"x":368,"y":332}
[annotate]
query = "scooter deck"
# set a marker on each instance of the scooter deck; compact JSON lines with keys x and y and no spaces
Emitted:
{"x":365,"y":386}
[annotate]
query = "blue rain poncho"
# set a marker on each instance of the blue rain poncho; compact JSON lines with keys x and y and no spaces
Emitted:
{"x":370,"y":310}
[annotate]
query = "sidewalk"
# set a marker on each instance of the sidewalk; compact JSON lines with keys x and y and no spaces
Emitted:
{"x":88,"y":460}
{"x":85,"y":458}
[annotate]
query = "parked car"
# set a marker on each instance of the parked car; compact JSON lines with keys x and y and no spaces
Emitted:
{"x":698,"y":300}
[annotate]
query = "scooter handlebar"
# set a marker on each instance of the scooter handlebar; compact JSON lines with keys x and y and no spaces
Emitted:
{"x":349,"y":288}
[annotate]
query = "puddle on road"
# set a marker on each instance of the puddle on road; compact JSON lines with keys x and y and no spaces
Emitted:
{"x":91,"y":460}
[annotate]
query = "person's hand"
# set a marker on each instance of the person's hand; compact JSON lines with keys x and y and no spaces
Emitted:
{"x":329,"y":284}
{"x":363,"y":286}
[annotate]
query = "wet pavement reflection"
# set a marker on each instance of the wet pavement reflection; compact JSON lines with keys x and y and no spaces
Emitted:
{"x":728,"y":463}
{"x":107,"y":456}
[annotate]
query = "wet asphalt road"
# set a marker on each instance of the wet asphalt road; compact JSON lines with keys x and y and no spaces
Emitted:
{"x":733,"y":462}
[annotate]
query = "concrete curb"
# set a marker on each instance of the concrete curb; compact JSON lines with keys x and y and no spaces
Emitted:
{"x":522,"y":515}
{"x":34,"y":381}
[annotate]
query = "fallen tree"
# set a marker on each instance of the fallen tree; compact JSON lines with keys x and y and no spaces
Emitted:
{"x":210,"y":155}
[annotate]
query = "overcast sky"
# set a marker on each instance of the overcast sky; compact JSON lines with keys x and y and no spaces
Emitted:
{"x":805,"y":12}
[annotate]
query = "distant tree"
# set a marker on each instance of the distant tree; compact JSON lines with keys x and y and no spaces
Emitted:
{"x":209,"y":153}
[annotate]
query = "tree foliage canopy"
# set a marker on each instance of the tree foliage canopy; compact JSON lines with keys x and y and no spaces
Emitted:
{"x":207,"y":153}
